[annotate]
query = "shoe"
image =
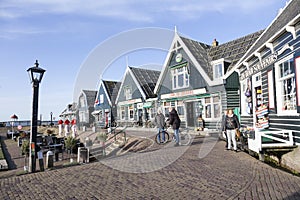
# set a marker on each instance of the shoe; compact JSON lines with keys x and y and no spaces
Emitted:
{"x":228,"y":149}
{"x":176,"y":145}
{"x":236,"y":151}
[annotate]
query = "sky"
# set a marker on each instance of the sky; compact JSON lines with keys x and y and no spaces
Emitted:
{"x":63,"y":35}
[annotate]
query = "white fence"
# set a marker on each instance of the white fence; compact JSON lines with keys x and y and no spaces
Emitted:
{"x":271,"y":139}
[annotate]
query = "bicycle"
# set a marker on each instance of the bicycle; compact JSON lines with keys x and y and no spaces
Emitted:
{"x":184,"y":137}
{"x":158,"y":135}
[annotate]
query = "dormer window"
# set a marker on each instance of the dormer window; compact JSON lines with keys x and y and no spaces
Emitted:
{"x":218,"y":70}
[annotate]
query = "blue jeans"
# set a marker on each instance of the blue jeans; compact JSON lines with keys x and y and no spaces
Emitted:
{"x":176,"y":134}
{"x":162,"y":132}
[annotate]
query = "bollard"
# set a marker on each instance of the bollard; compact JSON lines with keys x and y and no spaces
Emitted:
{"x":83,"y":155}
{"x":41,"y":160}
{"x":49,"y":160}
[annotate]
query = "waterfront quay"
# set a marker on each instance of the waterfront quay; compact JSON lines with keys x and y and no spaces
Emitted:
{"x":203,"y":170}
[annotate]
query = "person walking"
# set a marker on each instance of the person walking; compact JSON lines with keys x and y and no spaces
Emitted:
{"x":159,"y":121}
{"x":175,"y":123}
{"x":223,"y":127}
{"x":231,"y":124}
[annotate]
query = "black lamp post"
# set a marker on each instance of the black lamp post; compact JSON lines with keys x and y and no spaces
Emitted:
{"x":51,"y":114}
{"x":36,"y":74}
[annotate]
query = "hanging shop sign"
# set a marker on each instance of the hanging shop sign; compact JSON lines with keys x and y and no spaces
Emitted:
{"x":131,"y":101}
{"x":260,"y":66}
{"x":184,"y":93}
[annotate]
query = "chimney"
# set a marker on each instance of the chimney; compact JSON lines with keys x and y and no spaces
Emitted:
{"x":215,"y":43}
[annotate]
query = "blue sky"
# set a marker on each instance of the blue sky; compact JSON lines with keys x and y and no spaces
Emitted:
{"x":61,"y":34}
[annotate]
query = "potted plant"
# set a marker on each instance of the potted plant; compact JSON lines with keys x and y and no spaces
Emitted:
{"x":70,"y":144}
{"x":102,"y":137}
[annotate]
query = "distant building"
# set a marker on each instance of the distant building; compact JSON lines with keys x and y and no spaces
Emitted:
{"x":69,"y":112}
{"x":105,"y":111}
{"x":85,"y":107}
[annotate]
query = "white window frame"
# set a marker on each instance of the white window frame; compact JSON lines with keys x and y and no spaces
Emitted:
{"x":101,"y":97}
{"x":82,"y":102}
{"x":127,"y":92}
{"x":279,"y":90}
{"x":212,"y":107}
{"x":175,"y":77}
{"x":122,"y":113}
{"x":244,"y":102}
{"x":219,"y":65}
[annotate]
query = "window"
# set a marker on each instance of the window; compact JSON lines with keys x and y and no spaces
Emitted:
{"x":82,"y":102}
{"x":101,"y":98}
{"x":217,"y":109}
{"x":218,"y":70}
{"x":180,"y":109}
{"x":207,"y":108}
{"x":122,"y":112}
{"x":246,"y":97}
{"x":212,"y":107}
{"x":131,"y":111}
{"x":127,"y":93}
{"x":286,"y":86}
{"x":180,"y":77}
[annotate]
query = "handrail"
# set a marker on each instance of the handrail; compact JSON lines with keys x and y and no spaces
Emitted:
{"x":279,"y":141}
{"x":119,"y":132}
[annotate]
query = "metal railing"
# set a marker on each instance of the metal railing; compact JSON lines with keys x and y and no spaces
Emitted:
{"x":271,"y":139}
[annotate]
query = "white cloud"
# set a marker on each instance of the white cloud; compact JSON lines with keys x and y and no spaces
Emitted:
{"x":131,"y":10}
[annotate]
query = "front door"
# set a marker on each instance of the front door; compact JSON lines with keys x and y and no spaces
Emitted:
{"x":190,"y":114}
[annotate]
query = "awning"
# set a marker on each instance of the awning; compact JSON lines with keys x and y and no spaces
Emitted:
{"x":147,"y":105}
{"x":96,"y":112}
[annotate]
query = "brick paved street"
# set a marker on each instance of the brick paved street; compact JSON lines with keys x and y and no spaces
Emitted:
{"x":160,"y":173}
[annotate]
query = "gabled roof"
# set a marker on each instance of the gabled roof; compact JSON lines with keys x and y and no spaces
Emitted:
{"x":291,"y":10}
{"x":110,"y":86}
{"x":147,"y":80}
{"x":199,"y":51}
{"x":233,"y":50}
{"x":111,"y":89}
{"x":90,"y":97}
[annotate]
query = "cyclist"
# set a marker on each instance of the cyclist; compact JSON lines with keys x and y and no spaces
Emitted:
{"x":159,"y":121}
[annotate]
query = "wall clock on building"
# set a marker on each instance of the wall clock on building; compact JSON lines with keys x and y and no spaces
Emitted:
{"x":178,"y":57}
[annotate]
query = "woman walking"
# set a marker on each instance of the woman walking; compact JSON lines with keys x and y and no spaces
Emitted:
{"x":175,"y":123}
{"x":230,"y":126}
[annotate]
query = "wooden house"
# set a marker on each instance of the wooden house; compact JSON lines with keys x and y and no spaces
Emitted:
{"x":269,"y":76}
{"x":192,"y":79}
{"x":105,"y":111}
{"x":85,"y":107}
{"x":136,"y":98}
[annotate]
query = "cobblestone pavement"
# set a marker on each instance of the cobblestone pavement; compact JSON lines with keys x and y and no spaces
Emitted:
{"x":200,"y":171}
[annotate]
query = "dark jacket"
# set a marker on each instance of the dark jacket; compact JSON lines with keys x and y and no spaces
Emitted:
{"x":174,"y":119}
{"x":231,"y":123}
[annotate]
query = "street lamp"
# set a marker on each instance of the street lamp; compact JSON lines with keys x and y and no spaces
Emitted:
{"x":51,"y":124}
{"x":35,"y":74}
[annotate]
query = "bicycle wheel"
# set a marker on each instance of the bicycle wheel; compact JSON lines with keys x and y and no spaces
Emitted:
{"x":185,"y":138}
{"x":167,"y":137}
